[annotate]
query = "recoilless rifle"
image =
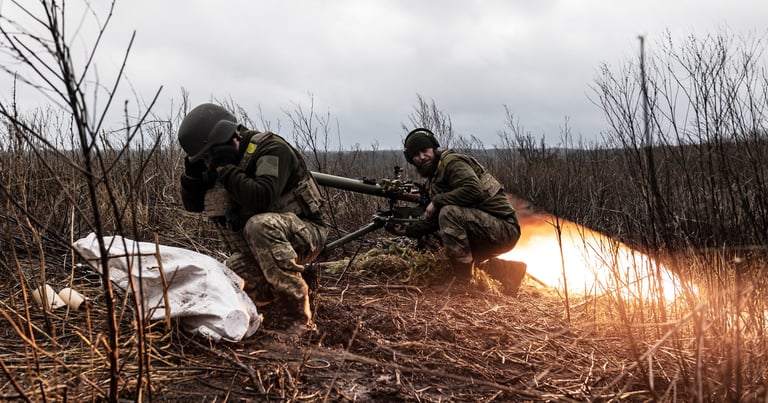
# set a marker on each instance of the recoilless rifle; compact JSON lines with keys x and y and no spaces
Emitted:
{"x":395,"y":217}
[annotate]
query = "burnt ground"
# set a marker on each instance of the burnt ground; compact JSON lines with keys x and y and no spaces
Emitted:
{"x":383,"y":334}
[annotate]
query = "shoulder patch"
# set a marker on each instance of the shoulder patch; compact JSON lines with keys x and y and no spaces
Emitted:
{"x":251,"y":148}
{"x":267,"y":165}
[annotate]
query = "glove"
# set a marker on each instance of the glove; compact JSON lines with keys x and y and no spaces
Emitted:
{"x":194,"y":169}
{"x":223,"y":154}
{"x":421,"y":228}
{"x":396,"y":229}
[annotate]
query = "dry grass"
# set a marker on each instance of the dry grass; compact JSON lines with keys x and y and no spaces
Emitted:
{"x":385,"y":331}
{"x":389,"y":332}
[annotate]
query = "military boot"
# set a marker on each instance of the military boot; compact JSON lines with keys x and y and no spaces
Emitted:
{"x":507,"y":272}
{"x":298,"y":310}
{"x":311,"y":276}
{"x":462,"y":272}
{"x":255,"y":285}
{"x":298,"y":320}
{"x":460,"y":275}
{"x":301,"y":308}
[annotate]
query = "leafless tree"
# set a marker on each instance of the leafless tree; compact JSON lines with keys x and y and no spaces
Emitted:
{"x":38,"y":39}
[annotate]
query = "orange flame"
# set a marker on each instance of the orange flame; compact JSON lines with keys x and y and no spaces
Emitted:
{"x":561,"y":253}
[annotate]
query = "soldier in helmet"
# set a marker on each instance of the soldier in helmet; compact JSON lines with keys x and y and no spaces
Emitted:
{"x":468,"y":209}
{"x":258,"y":189}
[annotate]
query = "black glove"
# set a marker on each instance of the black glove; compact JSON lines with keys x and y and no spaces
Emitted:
{"x":396,"y":229}
{"x":421,"y":228}
{"x":223,"y":154}
{"x":194,"y":169}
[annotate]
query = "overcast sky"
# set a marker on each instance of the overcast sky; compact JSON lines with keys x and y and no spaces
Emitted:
{"x":365,"y":61}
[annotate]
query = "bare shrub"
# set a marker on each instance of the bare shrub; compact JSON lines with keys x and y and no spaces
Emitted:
{"x":62,"y":175}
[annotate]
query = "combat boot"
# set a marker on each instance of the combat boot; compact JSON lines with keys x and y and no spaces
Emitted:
{"x":254,"y":284}
{"x":299,"y":311}
{"x":509,"y":273}
{"x":460,"y":275}
{"x":311,"y":276}
{"x":298,"y":319}
{"x":462,"y":272}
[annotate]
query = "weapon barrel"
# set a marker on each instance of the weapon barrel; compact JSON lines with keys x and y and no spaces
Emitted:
{"x":354,"y":185}
{"x":359,"y":186}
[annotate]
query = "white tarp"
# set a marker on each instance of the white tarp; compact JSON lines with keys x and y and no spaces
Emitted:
{"x":203,"y":293}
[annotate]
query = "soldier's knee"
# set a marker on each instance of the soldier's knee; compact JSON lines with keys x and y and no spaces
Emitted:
{"x":450,"y":211}
{"x":261,"y":227}
{"x":448,"y":214}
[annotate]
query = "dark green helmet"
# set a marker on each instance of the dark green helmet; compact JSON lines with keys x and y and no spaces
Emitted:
{"x":205,"y":126}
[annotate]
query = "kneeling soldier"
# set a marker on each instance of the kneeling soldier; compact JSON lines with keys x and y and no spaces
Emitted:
{"x":257,"y":188}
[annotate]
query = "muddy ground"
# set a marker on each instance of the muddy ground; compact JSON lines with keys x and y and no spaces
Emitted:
{"x":381,"y":336}
{"x":434,"y":343}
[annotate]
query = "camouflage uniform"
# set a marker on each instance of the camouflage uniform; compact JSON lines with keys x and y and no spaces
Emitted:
{"x":476,"y":221}
{"x":273,"y":218}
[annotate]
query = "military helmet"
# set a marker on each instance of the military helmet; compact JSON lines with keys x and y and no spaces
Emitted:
{"x":205,"y":126}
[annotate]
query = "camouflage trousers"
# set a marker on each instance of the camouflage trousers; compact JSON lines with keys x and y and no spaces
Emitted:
{"x":281,"y":243}
{"x":472,"y":235}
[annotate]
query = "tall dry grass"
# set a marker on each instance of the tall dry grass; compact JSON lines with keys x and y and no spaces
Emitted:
{"x":62,"y":177}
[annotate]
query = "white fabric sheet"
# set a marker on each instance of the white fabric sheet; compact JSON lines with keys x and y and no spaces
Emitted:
{"x":203,"y":293}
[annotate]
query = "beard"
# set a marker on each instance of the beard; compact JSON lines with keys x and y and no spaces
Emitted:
{"x":427,"y":168}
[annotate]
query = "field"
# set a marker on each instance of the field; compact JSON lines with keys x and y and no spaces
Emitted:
{"x":646,"y":254}
{"x":385,"y":333}
{"x":389,"y":328}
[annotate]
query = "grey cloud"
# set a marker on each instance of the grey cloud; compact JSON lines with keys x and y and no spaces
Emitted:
{"x":365,"y":61}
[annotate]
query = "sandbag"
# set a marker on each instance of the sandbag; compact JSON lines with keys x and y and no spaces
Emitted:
{"x":205,"y":295}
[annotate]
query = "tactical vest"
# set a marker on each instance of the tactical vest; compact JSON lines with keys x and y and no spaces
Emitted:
{"x":304,"y":200}
{"x":488,"y":182}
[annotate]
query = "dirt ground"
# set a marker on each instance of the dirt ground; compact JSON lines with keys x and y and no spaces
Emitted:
{"x":379,"y":338}
{"x":388,"y":343}
{"x":380,"y":342}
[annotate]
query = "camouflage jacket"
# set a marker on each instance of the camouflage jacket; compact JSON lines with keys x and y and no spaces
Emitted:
{"x":274,"y":170}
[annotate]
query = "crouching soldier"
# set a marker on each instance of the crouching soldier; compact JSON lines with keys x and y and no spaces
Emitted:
{"x":257,"y":188}
{"x":468,"y":209}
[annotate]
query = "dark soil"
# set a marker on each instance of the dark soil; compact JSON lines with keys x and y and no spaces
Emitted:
{"x":377,"y":340}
